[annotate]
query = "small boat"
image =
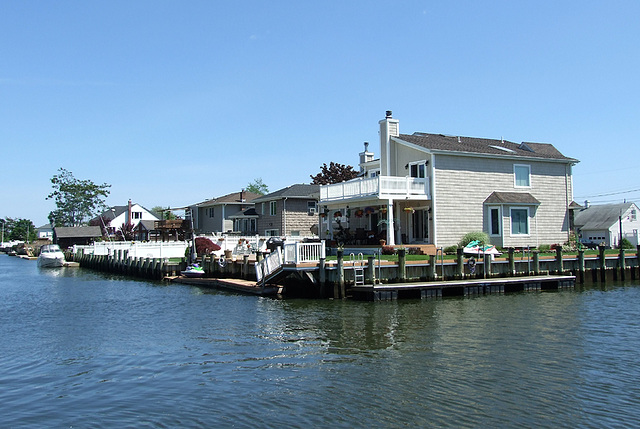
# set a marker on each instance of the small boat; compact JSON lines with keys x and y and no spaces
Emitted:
{"x":51,"y":256}
{"x":193,"y":270}
{"x":475,"y":248}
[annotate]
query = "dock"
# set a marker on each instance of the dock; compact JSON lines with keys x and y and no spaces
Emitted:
{"x":235,"y":285}
{"x":468,"y":287}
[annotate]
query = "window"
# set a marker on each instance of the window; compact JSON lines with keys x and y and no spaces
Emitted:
{"x":271,"y":232}
{"x":633,"y":214}
{"x":494,"y":220}
{"x":522,"y":175}
{"x":262,"y":209}
{"x":211,"y":211}
{"x":519,"y":221}
{"x":272,"y":208}
{"x":311,"y":207}
{"x":374,"y":173}
{"x":136,"y":215}
{"x":418,"y":170}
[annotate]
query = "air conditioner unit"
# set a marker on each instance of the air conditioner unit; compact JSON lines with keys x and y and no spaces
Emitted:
{"x":312,"y":211}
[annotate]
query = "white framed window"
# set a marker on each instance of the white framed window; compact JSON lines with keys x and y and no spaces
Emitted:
{"x":273,"y":208}
{"x":519,"y":221}
{"x":634,"y":216}
{"x":262,"y":211}
{"x":495,"y":221}
{"x":271,"y":232}
{"x":136,"y":215}
{"x":418,"y":169}
{"x":374,"y":173}
{"x":312,"y":207}
{"x":522,"y":175}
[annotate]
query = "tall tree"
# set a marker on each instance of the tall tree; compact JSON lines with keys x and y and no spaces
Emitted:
{"x":76,"y":200}
{"x":334,"y":173}
{"x":258,"y":187}
{"x":19,"y":229}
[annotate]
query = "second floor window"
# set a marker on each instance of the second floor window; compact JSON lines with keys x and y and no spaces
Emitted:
{"x":136,"y":215}
{"x":211,"y":211}
{"x":522,"y":175}
{"x":272,"y":208}
{"x":418,"y":170}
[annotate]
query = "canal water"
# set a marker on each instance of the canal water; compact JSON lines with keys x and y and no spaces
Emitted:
{"x":83,"y":349}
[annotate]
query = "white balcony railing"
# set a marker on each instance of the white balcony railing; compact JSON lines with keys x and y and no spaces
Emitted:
{"x":383,"y":187}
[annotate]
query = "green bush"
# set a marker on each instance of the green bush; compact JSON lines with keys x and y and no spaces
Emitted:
{"x":544,"y":248}
{"x":451,"y":250}
{"x":625,"y":244}
{"x":481,"y":236}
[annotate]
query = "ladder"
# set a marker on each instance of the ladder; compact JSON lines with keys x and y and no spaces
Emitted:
{"x":358,"y":268}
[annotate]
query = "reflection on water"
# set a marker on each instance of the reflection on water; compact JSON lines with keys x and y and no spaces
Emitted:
{"x":78,"y":344}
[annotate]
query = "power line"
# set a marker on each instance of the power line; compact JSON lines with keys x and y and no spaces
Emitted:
{"x":610,"y":194}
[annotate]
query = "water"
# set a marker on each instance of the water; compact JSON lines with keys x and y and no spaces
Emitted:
{"x":80,"y":349}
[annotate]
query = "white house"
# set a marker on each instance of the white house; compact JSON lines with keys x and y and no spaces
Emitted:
{"x":434,"y":188}
{"x":131,"y":214}
{"x":603,"y":223}
{"x":45,"y":232}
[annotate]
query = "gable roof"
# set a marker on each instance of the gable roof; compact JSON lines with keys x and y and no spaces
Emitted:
{"x":115,"y":211}
{"x":77,"y":231}
{"x":511,"y":198}
{"x":601,"y":216}
{"x":235,"y":197}
{"x":293,"y":191}
{"x":148,"y":225}
{"x":455,"y":144}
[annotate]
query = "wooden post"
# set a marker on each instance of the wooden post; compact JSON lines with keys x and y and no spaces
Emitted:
{"x":487,"y":266}
{"x":402,"y":264}
{"x":371,"y":270}
{"x":322,"y":276}
{"x":536,"y":262}
{"x":512,"y":261}
{"x":339,"y":290}
{"x":432,"y":267}
{"x":602,"y":262}
{"x":622,"y":263}
{"x":581,"y":265}
{"x":559,"y":264}
{"x":459,"y":263}
{"x":245,"y":267}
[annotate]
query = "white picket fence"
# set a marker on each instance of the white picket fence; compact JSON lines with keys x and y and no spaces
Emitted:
{"x":136,"y":249}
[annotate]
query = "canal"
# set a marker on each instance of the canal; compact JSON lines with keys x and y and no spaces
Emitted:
{"x":84,"y":349}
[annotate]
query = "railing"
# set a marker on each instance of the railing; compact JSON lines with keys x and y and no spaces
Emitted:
{"x":269,"y":265}
{"x":297,"y":253}
{"x":381,"y":186}
{"x":136,"y":249}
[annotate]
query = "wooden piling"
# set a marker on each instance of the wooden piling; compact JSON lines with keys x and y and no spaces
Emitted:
{"x":602,"y":264}
{"x":581,"y":265}
{"x":459,"y":263}
{"x":559,"y":263}
{"x":402,"y":264}
{"x":512,"y":261}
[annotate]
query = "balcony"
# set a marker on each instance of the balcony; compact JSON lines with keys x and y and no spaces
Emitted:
{"x":381,"y":187}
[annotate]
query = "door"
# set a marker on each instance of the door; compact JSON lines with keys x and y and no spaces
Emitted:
{"x":420,"y":226}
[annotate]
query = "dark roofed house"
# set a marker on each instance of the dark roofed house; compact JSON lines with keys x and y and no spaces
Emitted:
{"x":290,"y":211}
{"x":66,"y":237}
{"x":217,"y":214}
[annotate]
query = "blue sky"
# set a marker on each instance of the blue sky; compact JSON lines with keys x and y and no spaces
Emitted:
{"x":173,"y":102}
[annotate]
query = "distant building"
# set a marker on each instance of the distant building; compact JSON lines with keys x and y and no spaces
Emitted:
{"x":67,"y":236}
{"x":45,"y":232}
{"x":288,"y":212}
{"x":131,"y":214}
{"x":218,"y":215}
{"x":601,"y":223}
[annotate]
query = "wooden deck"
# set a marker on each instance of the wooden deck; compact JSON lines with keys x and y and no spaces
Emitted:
{"x":438,"y":289}
{"x":236,"y":285}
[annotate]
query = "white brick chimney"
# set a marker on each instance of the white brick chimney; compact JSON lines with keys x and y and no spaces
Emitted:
{"x":389,"y":127}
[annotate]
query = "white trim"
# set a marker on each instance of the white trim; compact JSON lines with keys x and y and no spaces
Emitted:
{"x":490,"y":219}
{"x":420,"y":162}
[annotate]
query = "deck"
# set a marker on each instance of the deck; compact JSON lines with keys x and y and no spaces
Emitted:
{"x":236,"y":285}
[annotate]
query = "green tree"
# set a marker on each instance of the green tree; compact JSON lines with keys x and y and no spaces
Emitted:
{"x":258,"y":187}
{"x":164,"y":213}
{"x":334,"y":173}
{"x":19,"y":229}
{"x":76,"y":200}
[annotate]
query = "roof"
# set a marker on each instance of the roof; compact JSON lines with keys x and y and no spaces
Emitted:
{"x":293,"y":191}
{"x":601,"y":216}
{"x":45,"y":226}
{"x":231,"y":198}
{"x":493,"y":147}
{"x":511,"y":198}
{"x":115,"y":211}
{"x":77,"y":231}
{"x":148,"y":225}
{"x":249,"y":213}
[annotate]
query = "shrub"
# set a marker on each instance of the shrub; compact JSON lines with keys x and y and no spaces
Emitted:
{"x":544,"y":248}
{"x":474,"y":236}
{"x":414,"y":251}
{"x":204,"y":246}
{"x":388,"y":250}
{"x":625,"y":244}
{"x":451,"y":250}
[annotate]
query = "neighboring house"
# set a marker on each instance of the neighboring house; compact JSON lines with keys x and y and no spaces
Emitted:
{"x":434,"y":188}
{"x":290,"y":211}
{"x":45,"y":232}
{"x":601,"y":223}
{"x":67,"y":236}
{"x":131,"y":214}
{"x":146,"y":230}
{"x":217,"y":215}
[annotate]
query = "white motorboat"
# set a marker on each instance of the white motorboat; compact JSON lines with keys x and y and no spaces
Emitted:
{"x":51,"y":256}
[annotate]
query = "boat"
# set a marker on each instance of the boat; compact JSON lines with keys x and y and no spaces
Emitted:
{"x":476,"y":248}
{"x":193,"y":270}
{"x":51,"y":256}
